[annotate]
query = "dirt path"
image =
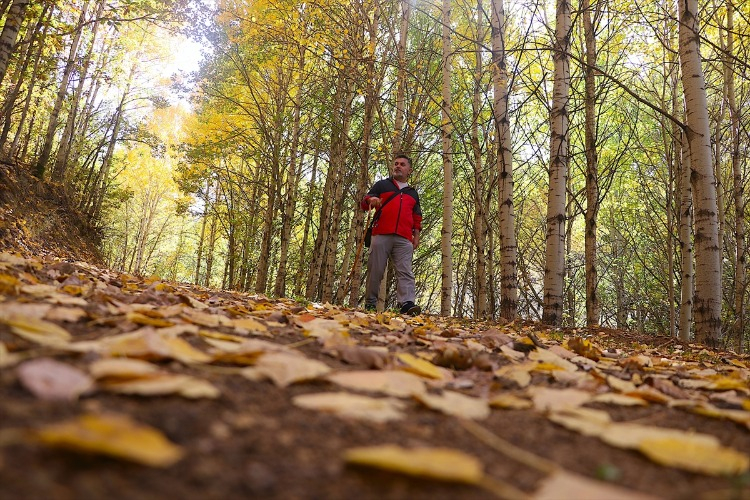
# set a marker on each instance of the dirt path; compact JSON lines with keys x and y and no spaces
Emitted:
{"x":238,"y":391}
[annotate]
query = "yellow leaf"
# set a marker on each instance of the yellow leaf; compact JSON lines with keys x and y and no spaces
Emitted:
{"x":727,"y":383}
{"x":445,"y":464}
{"x":392,"y":383}
{"x":354,"y":406}
{"x":250,"y":324}
{"x":287,"y":368}
{"x":114,"y":435}
{"x":163,"y":384}
{"x":142,"y":319}
{"x":695,"y":456}
{"x":37,"y":330}
{"x":420,"y":366}
{"x":584,"y":347}
{"x":122,"y":368}
{"x":509,"y":402}
{"x":456,"y":404}
{"x":9,"y":285}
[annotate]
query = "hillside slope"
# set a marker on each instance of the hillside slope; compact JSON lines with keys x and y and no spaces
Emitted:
{"x":37,"y":219}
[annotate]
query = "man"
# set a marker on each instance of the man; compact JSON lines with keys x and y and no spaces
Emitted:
{"x":395,"y":235}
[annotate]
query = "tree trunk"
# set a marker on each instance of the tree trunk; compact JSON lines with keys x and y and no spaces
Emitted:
{"x":592,"y":170}
{"x":33,"y":52}
{"x":54,"y":117}
{"x":302,"y":268}
{"x":686,"y":245}
{"x":372,"y":88}
{"x":480,"y":217}
{"x":504,"y":167}
{"x":738,"y":187}
{"x":66,"y":141}
{"x":9,"y":35}
{"x":707,"y":301}
{"x":339,"y":141}
{"x":558,"y":173}
{"x":446,"y":288}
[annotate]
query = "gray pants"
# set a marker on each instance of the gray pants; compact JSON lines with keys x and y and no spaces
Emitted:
{"x":401,"y":251}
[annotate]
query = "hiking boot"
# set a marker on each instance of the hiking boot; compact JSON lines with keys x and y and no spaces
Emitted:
{"x":410,"y":308}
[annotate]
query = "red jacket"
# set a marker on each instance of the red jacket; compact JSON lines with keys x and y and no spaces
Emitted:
{"x":401,"y":215}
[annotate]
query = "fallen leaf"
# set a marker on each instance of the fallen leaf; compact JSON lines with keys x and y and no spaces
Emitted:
{"x":518,"y":374}
{"x":456,"y":404}
{"x":550,"y":400}
{"x":584,"y":347}
{"x":419,"y":366}
{"x":285,"y":368}
{"x":583,"y":488}
{"x":699,"y":457}
{"x":52,"y":380}
{"x":160,"y":384}
{"x":113,"y":435}
{"x":618,"y":399}
{"x":66,"y":314}
{"x":122,"y":368}
{"x":509,"y":402}
{"x":445,"y":464}
{"x":390,"y":382}
{"x":354,"y":406}
{"x":36,"y":330}
{"x":545,"y":356}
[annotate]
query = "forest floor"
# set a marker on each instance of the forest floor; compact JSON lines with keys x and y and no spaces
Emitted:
{"x":117,"y":386}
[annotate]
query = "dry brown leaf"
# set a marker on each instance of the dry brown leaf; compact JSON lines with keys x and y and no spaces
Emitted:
{"x":285,"y":368}
{"x":519,"y":374}
{"x":114,"y":435}
{"x":620,"y":385}
{"x":545,"y":356}
{"x":550,"y":400}
{"x":52,"y":380}
{"x":444,"y":464}
{"x":390,"y":382}
{"x":66,"y":314}
{"x":354,"y":406}
{"x":582,"y":488}
{"x":148,"y":343}
{"x":250,"y":325}
{"x":371,"y":357}
{"x":456,"y":404}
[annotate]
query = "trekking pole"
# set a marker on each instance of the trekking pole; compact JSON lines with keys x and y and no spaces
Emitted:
{"x":360,"y":244}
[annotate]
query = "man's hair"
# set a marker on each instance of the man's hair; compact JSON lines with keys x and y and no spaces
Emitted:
{"x":402,"y":155}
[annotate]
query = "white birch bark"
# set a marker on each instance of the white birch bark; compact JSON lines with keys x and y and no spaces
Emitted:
{"x":707,"y":298}
{"x":558,"y":171}
{"x":446,"y":288}
{"x":504,"y":167}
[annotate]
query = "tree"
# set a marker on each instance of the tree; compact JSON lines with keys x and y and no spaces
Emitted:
{"x":707,"y":300}
{"x":558,"y":170}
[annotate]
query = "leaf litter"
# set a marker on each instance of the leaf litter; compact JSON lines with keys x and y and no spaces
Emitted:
{"x":116,"y":334}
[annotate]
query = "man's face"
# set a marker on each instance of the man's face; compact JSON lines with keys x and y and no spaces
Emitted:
{"x":401,"y":169}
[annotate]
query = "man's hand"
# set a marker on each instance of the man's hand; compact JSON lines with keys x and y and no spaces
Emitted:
{"x":374,"y":202}
{"x":415,"y":239}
